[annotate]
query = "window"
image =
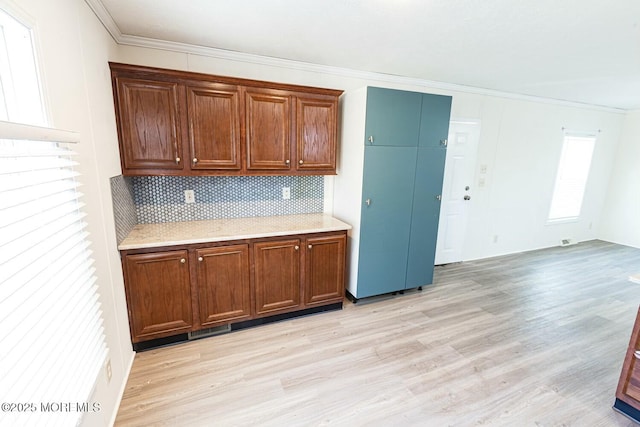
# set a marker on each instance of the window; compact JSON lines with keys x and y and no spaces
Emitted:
{"x":571,"y":178}
{"x":52,"y":345}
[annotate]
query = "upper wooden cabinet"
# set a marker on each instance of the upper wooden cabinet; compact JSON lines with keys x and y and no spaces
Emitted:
{"x":149,"y":124}
{"x":213,"y":117}
{"x":268,"y":129}
{"x":182,"y":123}
{"x":316,"y":138}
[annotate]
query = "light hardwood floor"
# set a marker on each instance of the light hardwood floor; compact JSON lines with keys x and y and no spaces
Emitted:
{"x":533,"y":339}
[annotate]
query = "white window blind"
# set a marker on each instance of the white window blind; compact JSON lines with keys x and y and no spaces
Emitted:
{"x":572,"y":175}
{"x":52,"y":345}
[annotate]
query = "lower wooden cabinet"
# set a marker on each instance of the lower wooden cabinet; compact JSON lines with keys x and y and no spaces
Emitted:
{"x":158,"y":294}
{"x":628,"y":391}
{"x":223,"y":284}
{"x":277,"y":275}
{"x":324,"y":277}
{"x":183,"y":289}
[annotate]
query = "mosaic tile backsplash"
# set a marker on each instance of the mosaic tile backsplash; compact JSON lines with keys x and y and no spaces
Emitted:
{"x":124,"y":208}
{"x":161,"y":198}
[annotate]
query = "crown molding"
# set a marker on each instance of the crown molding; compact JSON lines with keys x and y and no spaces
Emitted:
{"x":145,"y":42}
{"x":106,"y":19}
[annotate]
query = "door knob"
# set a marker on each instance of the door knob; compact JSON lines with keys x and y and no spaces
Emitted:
{"x":467,"y":197}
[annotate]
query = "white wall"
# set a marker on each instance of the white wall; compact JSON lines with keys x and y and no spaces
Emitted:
{"x":621,"y":215}
{"x":74,"y":49}
{"x":520,"y":145}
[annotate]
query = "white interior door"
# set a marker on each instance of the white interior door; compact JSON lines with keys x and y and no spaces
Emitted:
{"x":457,"y":189}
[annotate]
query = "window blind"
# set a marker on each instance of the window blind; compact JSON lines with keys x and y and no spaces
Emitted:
{"x":52,"y":345}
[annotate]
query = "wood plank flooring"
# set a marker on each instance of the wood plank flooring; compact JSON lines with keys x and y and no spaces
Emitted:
{"x":532,"y":339}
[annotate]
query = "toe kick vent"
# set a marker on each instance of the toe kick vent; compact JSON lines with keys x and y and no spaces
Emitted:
{"x":203,"y":333}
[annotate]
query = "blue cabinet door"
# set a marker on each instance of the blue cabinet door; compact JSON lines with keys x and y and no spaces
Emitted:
{"x":393,"y":117}
{"x":387,"y":197}
{"x":434,"y":120}
{"x":425,"y":216}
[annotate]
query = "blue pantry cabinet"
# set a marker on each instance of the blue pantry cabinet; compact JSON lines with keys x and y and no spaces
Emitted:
{"x":389,"y":184}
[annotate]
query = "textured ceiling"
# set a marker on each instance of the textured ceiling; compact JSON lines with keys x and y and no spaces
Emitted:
{"x":585,"y":51}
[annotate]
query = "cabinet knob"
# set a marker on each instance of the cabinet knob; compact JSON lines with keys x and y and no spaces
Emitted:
{"x":287,"y":161}
{"x":177,"y":160}
{"x":200,"y":259}
{"x":300,"y":162}
{"x":309,"y":246}
{"x":183,"y":260}
{"x":371,"y":139}
{"x":195,"y":160}
{"x":296,"y":247}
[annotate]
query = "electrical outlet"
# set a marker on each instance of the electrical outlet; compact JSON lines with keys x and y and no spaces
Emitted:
{"x":189,"y":196}
{"x":107,"y":368}
{"x":286,"y":193}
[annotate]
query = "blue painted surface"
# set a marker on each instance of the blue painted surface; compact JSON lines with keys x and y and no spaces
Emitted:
{"x":393,"y":117}
{"x":385,"y":225}
{"x":434,"y":122}
{"x":403,"y":173}
{"x":425,"y":216}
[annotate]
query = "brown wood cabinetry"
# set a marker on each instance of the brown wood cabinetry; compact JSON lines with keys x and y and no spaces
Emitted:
{"x":173,"y":291}
{"x":268,"y":129}
{"x":160,"y":299}
{"x":223,"y":284}
{"x":324,"y":269}
{"x":182,"y":123}
{"x":316,"y":139}
{"x":277,"y":275}
{"x":628,"y":391}
{"x":213,"y":115}
{"x":149,"y":125}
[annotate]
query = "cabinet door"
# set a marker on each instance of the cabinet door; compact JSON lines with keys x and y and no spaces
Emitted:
{"x":324,"y":269}
{"x":149,"y":127}
{"x":158,"y":294}
{"x":393,"y":117}
{"x":214,"y":127}
{"x":277,"y":276}
{"x":629,"y":384}
{"x":268,"y":129}
{"x":425,"y":216}
{"x":223,"y":284}
{"x":316,"y":138}
{"x":387,"y":197}
{"x":434,"y":120}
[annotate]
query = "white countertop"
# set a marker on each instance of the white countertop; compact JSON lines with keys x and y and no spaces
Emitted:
{"x":218,"y":230}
